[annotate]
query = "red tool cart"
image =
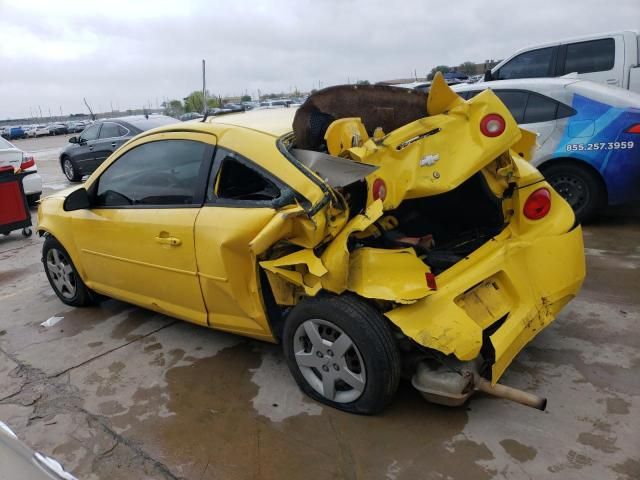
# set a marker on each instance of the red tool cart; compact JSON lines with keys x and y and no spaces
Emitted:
{"x":14,"y":210}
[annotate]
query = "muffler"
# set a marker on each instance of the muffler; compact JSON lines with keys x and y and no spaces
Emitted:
{"x":449,"y":386}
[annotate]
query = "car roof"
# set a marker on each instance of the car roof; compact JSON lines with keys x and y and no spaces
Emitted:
{"x":601,"y":92}
{"x":592,"y":36}
{"x":274,"y":122}
{"x":517,"y":83}
{"x":142,"y":122}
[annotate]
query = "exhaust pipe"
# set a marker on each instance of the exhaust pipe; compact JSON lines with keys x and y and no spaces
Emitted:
{"x":481,"y":384}
{"x":452,"y":387}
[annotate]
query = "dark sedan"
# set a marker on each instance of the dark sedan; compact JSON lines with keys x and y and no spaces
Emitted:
{"x":92,"y":147}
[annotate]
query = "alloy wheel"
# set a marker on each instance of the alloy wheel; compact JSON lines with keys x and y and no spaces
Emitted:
{"x":329,"y":360}
{"x":68,"y":169}
{"x":61,"y":273}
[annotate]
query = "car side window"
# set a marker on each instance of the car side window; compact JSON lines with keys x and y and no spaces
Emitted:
{"x":540,"y":109}
{"x":535,"y":63}
{"x":592,"y":56}
{"x":109,"y":130}
{"x":239,"y":179}
{"x":122,"y":131}
{"x":515,"y":101}
{"x":165,"y":172}
{"x":90,"y":133}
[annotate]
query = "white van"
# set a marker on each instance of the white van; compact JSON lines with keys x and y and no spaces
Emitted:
{"x":611,"y":58}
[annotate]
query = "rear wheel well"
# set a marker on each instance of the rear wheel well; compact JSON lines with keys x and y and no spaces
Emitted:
{"x":553,"y":162}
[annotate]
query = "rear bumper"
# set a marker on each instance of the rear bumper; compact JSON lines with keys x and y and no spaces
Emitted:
{"x":497,"y":299}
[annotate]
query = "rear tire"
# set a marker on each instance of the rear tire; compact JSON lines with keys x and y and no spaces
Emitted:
{"x":70,"y":170}
{"x":33,"y":198}
{"x":63,"y":276}
{"x":580,"y":187}
{"x":341,"y":352}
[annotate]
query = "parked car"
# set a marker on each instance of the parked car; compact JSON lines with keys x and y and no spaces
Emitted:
{"x":58,"y":129}
{"x":76,"y":127}
{"x":589,"y":136}
{"x":611,"y":58}
{"x":429,"y":240}
{"x":42,"y":130}
{"x":87,"y":151}
{"x":190,"y":116}
{"x":12,"y":156}
{"x":13,"y":133}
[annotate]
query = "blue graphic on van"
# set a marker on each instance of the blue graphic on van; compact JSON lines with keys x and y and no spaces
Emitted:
{"x":598,"y":135}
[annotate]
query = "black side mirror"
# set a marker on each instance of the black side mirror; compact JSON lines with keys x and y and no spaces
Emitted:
{"x":488,"y":76}
{"x":77,"y":200}
{"x":73,"y":140}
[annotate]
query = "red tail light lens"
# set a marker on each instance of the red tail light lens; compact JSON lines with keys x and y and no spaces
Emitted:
{"x":538,"y":204}
{"x":27,"y":162}
{"x":379,"y":190}
{"x":634,"y":128}
{"x":492,"y":125}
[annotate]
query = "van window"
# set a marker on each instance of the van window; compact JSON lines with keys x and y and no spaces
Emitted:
{"x":591,"y":56}
{"x":535,"y":63}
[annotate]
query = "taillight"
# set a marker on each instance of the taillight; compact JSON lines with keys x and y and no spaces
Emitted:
{"x":27,"y":162}
{"x":538,"y":204}
{"x":634,"y":128}
{"x":492,"y":125}
{"x":379,"y":190}
{"x":431,"y":280}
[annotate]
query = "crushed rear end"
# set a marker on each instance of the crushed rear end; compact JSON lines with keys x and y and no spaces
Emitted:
{"x":436,"y":217}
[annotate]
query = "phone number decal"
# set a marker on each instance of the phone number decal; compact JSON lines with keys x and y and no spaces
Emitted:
{"x":575,"y":147}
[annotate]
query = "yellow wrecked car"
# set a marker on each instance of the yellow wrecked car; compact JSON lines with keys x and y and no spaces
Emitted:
{"x":375,"y":232}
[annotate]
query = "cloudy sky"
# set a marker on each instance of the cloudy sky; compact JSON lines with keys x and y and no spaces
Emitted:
{"x":132,"y":52}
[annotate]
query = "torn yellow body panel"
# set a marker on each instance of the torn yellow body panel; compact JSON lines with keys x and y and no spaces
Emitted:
{"x":301,"y":268}
{"x":395,"y":275}
{"x":336,"y":256}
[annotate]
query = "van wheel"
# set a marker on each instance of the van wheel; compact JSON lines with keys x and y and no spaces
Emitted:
{"x":341,"y":352}
{"x":63,"y":276}
{"x":581,"y":188}
{"x":70,"y":170}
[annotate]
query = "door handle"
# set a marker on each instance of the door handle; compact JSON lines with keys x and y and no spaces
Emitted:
{"x":91,"y":148}
{"x":173,"y":241}
{"x":612,"y":81}
{"x":113,"y":144}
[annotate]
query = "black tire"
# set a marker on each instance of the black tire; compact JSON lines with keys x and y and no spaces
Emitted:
{"x":81,"y":296}
{"x":579,"y":186}
{"x":33,"y":198}
{"x":70,"y":170}
{"x":372,"y":344}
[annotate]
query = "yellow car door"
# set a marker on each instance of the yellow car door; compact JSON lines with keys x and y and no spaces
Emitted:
{"x":137,"y":241}
{"x":241,"y":200}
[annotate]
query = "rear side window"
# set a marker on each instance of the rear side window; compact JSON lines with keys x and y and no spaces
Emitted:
{"x":535,"y":63}
{"x":109,"y":130}
{"x":540,"y":109}
{"x":591,"y":56}
{"x":165,"y":172}
{"x":515,"y":101}
{"x":239,"y":179}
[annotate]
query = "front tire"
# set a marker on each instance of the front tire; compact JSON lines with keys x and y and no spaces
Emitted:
{"x":341,"y":352}
{"x":63,"y":276}
{"x":70,"y":170}
{"x":581,"y":188}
